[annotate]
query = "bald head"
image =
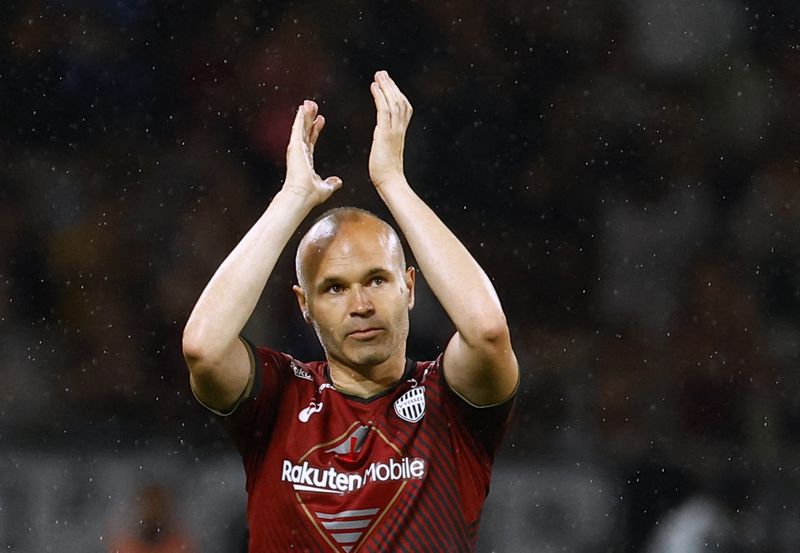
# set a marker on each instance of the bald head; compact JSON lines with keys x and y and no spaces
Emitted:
{"x":344,"y":222}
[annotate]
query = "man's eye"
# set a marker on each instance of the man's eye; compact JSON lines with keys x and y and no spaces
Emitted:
{"x":377,"y":281}
{"x":335,"y":289}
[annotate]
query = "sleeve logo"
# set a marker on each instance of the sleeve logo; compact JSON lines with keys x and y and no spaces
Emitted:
{"x":411,"y":405}
{"x":300,"y":372}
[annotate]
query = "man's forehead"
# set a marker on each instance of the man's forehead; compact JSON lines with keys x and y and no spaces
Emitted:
{"x":336,"y":246}
{"x":352,"y":239}
{"x":345,"y":233}
{"x":322,"y":231}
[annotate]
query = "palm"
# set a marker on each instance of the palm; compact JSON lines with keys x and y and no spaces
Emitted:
{"x":300,"y":173}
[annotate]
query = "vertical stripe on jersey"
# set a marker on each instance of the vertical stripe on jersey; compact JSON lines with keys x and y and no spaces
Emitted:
{"x":441,"y":480}
{"x":432,"y":488}
{"x":441,"y":524}
{"x":386,"y":509}
{"x":390,"y":534}
{"x":445,"y":487}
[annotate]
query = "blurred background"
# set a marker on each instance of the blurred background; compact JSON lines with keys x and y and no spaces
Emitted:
{"x":626,"y":172}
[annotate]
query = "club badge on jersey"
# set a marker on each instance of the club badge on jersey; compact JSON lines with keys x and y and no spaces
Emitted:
{"x":411,"y":405}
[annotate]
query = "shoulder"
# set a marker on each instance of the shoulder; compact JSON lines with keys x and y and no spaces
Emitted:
{"x":276,"y":377}
{"x":428,"y":371}
{"x":484,"y":424}
{"x":432,"y":373}
{"x":284,"y":365}
{"x":273,"y":372}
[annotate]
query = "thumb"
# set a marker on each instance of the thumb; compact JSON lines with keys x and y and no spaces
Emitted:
{"x":333,"y":182}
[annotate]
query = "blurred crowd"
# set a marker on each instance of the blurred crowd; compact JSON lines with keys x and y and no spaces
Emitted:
{"x":628,"y":174}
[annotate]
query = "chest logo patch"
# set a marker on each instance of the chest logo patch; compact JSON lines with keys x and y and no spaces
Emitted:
{"x":411,"y":405}
{"x":347,"y":485}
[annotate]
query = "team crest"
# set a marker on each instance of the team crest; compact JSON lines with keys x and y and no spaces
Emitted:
{"x":411,"y":405}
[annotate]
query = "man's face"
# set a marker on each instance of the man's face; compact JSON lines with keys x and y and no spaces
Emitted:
{"x":357,"y":294}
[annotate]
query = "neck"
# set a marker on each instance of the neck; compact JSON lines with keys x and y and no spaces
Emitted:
{"x":366,"y":381}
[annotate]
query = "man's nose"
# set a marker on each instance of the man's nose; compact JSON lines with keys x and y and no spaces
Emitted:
{"x":361,"y":303}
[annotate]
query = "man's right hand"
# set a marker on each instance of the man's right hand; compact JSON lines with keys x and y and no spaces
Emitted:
{"x":301,"y":178}
{"x":217,"y":358}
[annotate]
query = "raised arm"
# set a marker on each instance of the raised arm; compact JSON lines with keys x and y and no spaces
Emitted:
{"x":479,"y":363}
{"x":218,"y":361}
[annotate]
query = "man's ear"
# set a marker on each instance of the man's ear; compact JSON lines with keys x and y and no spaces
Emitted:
{"x":301,"y":301}
{"x":411,"y":281}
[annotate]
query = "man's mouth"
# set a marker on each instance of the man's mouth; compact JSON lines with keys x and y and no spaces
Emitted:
{"x":364,"y":333}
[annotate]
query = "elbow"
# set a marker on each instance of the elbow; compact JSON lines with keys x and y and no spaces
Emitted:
{"x":199,"y":357}
{"x":191,"y":348}
{"x":492,"y":332}
{"x":192,"y":352}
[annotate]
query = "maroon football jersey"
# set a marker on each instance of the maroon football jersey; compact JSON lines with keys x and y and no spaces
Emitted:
{"x":405,"y":470}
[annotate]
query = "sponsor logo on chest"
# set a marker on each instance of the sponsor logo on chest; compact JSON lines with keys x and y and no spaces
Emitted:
{"x":308,"y":478}
{"x":362,"y":468}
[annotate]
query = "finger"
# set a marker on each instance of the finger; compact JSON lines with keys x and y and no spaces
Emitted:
{"x":316,"y":128}
{"x":398,"y":94}
{"x":389,"y":87}
{"x":311,"y":109}
{"x":406,"y":104}
{"x":297,"y":126}
{"x":334,"y":182}
{"x":381,"y":105}
{"x":393,"y":97}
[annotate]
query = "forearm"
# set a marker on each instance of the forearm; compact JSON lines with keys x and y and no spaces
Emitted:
{"x":231,"y":295}
{"x":459,"y":283}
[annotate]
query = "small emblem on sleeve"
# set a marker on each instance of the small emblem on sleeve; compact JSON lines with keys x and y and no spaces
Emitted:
{"x":411,"y":405}
{"x":300,"y":372}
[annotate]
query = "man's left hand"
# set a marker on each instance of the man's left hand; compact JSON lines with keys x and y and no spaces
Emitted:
{"x":388,"y":140}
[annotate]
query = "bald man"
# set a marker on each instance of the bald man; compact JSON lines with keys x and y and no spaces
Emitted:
{"x":365,"y":450}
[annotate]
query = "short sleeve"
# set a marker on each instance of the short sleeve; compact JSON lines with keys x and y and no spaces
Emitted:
{"x":251,"y":422}
{"x":485,"y":424}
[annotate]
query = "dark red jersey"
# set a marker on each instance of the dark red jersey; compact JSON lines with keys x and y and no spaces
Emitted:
{"x":405,"y":470}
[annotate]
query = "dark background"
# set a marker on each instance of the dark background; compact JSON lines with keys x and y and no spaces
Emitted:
{"x":627,"y":173}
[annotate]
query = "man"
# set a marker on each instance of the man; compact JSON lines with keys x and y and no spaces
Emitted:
{"x":366,"y":451}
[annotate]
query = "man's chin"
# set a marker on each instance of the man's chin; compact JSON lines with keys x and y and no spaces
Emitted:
{"x":370,"y":360}
{"x":365,"y":359}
